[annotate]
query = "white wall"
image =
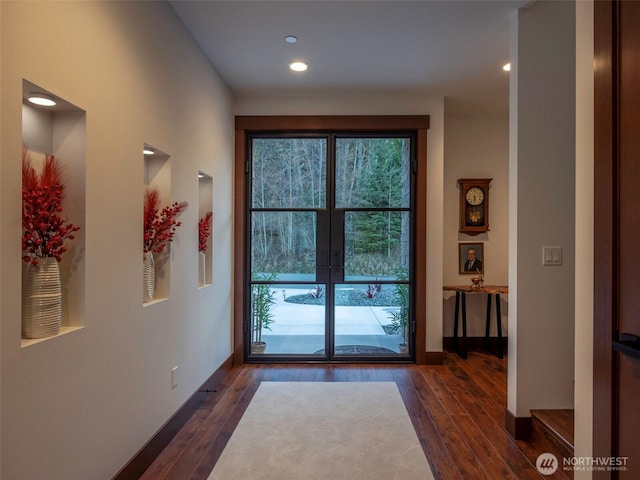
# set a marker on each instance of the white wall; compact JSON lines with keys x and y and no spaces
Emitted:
{"x":377,"y":103}
{"x":80,"y":405}
{"x":476,"y":146}
{"x":542,"y":207}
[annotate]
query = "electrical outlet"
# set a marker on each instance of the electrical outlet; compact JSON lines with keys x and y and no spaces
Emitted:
{"x":174,"y":377}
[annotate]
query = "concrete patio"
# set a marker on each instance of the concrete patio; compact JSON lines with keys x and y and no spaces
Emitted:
{"x":300,"y":328}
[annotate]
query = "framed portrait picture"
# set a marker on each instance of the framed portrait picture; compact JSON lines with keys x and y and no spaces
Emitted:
{"x":471,"y":258}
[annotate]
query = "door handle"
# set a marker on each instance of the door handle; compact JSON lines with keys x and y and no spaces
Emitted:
{"x":627,"y":344}
{"x":337,"y":260}
{"x":323,"y":266}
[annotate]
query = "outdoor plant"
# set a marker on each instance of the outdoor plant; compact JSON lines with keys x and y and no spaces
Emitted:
{"x":373,"y":289}
{"x":160,"y":225}
{"x":317,"y":292}
{"x":262,"y":299}
{"x":204,"y":230}
{"x":400,"y":319}
{"x":44,"y":231}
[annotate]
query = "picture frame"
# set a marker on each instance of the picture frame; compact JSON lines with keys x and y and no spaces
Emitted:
{"x":463,"y":256}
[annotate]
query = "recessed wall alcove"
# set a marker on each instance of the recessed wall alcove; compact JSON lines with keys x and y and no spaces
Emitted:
{"x":60,"y":130}
{"x":205,"y":204}
{"x":157,"y":175}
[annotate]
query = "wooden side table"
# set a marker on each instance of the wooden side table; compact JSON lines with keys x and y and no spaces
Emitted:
{"x":461,"y":305}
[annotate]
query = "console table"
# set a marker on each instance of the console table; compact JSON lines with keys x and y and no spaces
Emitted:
{"x":461,"y":306}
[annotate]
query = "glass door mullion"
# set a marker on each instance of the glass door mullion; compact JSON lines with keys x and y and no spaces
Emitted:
{"x":337,"y":273}
{"x":330,"y":244}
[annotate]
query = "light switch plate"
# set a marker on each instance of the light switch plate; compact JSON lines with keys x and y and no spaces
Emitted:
{"x":551,"y":256}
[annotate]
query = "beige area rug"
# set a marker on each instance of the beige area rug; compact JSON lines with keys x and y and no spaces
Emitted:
{"x":318,"y":430}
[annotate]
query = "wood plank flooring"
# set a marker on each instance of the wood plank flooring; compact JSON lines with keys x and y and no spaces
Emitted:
{"x":457,"y":410}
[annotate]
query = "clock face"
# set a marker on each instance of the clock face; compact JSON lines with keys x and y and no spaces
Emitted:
{"x":475,"y":196}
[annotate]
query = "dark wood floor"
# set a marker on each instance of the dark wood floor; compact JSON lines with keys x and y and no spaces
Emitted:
{"x":457,"y":410}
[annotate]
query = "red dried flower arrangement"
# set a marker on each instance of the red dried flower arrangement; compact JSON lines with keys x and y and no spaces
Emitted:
{"x":204,"y":230}
{"x":160,"y":225}
{"x":44,"y":230}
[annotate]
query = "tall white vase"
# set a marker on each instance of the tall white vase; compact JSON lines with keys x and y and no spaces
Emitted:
{"x":202,"y":269}
{"x":148,"y":277}
{"x":41,"y":299}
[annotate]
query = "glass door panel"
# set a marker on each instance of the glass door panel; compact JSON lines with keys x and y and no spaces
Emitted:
{"x":288,"y":173}
{"x":373,"y":173}
{"x":296,"y":319}
{"x":371,"y":319}
{"x":287,"y":190}
{"x":283,"y":243}
{"x":287,"y":317}
{"x":373,"y":204}
{"x":376,"y":243}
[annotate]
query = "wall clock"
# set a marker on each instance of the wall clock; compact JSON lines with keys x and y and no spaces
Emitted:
{"x":474,"y":205}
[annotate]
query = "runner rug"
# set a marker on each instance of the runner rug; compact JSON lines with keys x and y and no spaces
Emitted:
{"x":324,"y":430}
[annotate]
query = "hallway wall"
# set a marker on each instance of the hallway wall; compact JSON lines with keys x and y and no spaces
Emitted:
{"x":476,"y":146}
{"x":79,"y":406}
{"x":542,"y":185}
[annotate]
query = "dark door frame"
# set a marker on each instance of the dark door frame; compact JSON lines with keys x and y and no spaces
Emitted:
{"x":607,"y":78}
{"x":245,"y":125}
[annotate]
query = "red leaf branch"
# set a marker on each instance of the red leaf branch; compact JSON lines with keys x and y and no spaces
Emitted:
{"x":204,"y":230}
{"x":44,"y":231}
{"x":160,"y":225}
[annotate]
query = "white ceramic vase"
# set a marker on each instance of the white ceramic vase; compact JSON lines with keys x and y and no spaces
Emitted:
{"x":41,"y":299}
{"x":148,"y":277}
{"x":202,"y":269}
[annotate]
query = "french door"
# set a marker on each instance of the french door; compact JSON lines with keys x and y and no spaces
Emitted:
{"x":329,"y":247}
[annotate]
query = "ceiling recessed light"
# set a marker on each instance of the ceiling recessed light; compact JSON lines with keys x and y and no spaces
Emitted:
{"x":200,"y":175}
{"x":148,"y":151}
{"x":42,"y":99}
{"x":291,"y":39}
{"x":298,"y":66}
{"x":506,"y":67}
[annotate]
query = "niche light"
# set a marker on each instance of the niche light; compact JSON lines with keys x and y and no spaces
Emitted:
{"x":148,"y":151}
{"x":200,"y":175}
{"x":506,"y":67}
{"x":42,"y":99}
{"x":298,"y":66}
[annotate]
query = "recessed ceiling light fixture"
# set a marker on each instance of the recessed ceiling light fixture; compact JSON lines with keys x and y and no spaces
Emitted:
{"x":148,"y":151}
{"x":506,"y":67}
{"x":42,"y":99}
{"x":298,"y":66}
{"x":291,"y":39}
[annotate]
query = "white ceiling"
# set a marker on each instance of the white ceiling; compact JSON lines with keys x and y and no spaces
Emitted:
{"x":451,"y":48}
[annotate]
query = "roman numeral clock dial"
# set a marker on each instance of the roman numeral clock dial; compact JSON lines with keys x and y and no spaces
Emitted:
{"x":474,"y":205}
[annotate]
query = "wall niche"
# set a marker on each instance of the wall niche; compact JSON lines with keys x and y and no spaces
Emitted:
{"x":54,"y":126}
{"x":157,"y":178}
{"x":205,"y":205}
